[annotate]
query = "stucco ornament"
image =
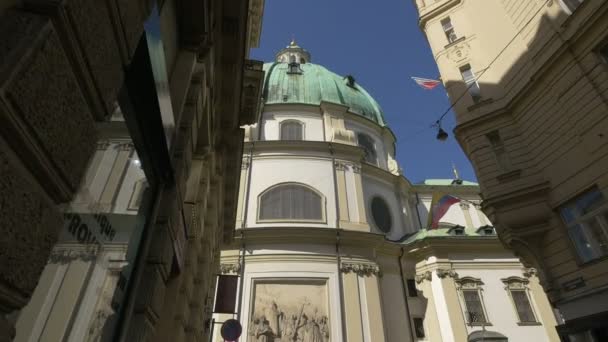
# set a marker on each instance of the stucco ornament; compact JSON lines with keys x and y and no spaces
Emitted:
{"x":423,"y":276}
{"x":393,"y":166}
{"x":361,"y":269}
{"x":445,"y":272}
{"x":530,"y":272}
{"x":458,"y":52}
{"x":230,"y":268}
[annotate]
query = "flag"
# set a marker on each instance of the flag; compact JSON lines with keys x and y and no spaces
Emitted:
{"x":440,"y":204}
{"x":426,"y":83}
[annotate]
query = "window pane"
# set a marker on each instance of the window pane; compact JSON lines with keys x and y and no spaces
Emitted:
{"x":419,"y":327}
{"x":598,"y":236}
{"x":291,"y":131}
{"x":583,"y":247}
{"x":474,"y":307}
{"x":367,"y":143}
{"x":522,"y":304}
{"x":291,"y":202}
{"x":589,"y":201}
{"x":381,"y":214}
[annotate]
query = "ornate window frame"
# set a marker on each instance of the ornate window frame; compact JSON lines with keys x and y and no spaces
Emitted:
{"x":323,"y":219}
{"x":472,"y":284}
{"x":302,"y":126}
{"x":514,"y":283}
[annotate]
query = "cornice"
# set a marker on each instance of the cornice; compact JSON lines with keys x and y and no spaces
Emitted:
{"x":307,"y":235}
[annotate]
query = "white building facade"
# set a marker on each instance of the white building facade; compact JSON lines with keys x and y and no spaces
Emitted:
{"x":332,"y":241}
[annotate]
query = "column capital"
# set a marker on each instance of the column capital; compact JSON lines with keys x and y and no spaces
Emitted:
{"x":427,"y":275}
{"x":360,"y":268}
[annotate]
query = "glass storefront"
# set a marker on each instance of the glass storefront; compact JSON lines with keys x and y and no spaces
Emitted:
{"x":82,"y":287}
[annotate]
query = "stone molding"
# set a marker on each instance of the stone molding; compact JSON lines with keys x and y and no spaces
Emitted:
{"x":230,"y":268}
{"x":530,"y":272}
{"x":360,"y":268}
{"x":447,"y":272}
{"x":341,"y":166}
{"x":427,"y":275}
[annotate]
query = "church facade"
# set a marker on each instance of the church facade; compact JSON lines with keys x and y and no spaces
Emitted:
{"x":333,"y":243}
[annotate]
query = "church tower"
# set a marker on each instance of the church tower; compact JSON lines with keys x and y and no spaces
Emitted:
{"x":330,"y":236}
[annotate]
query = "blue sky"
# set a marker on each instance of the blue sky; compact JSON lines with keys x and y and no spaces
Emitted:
{"x":380,"y":44}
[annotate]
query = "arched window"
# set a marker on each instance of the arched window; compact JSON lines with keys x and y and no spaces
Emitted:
{"x":367,"y":143}
{"x":290,"y":201}
{"x":292,"y":130}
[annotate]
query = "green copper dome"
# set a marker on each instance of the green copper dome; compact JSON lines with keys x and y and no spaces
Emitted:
{"x":312,"y":84}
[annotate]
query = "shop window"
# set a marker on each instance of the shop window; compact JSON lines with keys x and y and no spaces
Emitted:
{"x":448,"y":29}
{"x":471,"y":82}
{"x":586,"y":218}
{"x":367,"y":143}
{"x":520,"y":297}
{"x":471,"y":296}
{"x":291,"y":201}
{"x":419,"y":327}
{"x":292,"y":130}
{"x":381,"y":214}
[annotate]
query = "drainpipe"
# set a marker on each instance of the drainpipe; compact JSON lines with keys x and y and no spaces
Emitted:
{"x":247,"y":190}
{"x":403,"y":287}
{"x":242,"y":275}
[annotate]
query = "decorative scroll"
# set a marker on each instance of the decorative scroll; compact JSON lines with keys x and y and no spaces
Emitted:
{"x":530,"y":272}
{"x":423,"y":276}
{"x":361,"y":269}
{"x":230,"y":268}
{"x":444,"y":272}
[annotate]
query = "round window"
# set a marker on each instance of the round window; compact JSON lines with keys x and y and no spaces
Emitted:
{"x":381,"y":214}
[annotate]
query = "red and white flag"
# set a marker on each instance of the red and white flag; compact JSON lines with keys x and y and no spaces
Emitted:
{"x":426,"y":83}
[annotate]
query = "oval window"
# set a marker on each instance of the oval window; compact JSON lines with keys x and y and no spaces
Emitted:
{"x":381,"y":214}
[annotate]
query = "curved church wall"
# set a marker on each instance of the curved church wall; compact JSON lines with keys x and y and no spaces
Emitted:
{"x":312,"y":124}
{"x":316,"y":173}
{"x":374,"y":187}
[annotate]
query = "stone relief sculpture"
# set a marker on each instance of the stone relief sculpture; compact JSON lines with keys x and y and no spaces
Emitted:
{"x":294,"y":311}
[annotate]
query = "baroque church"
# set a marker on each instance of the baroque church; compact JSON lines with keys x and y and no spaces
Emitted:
{"x":333,"y":243}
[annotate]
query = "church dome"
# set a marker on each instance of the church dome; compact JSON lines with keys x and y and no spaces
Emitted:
{"x":294,"y":80}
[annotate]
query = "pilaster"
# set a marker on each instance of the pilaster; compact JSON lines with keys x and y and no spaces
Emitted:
{"x":374,"y":308}
{"x":352,"y":307}
{"x":342,"y":194}
{"x":446,"y":278}
{"x":542,"y":305}
{"x":423,"y":281}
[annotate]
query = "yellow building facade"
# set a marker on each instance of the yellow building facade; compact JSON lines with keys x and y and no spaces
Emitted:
{"x":528,"y":82}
